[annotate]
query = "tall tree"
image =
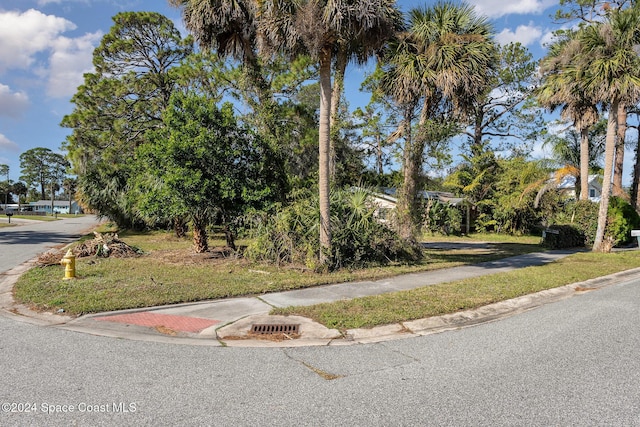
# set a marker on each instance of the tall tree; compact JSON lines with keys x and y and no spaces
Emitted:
{"x":70,"y":184}
{"x":20,"y":190}
{"x":204,"y":167}
{"x":587,"y":12}
{"x":442,"y":65}
{"x":562,"y":88}
{"x":135,"y":74}
{"x":505,"y":111}
{"x":566,"y":147}
{"x":610,"y":67}
{"x":38,"y":167}
{"x":250,"y":29}
{"x":4,"y":170}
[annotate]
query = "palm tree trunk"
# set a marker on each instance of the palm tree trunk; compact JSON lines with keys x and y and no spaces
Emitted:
{"x":200,"y":240}
{"x":584,"y":163}
{"x":635,"y":187}
{"x":336,"y":94}
{"x":609,"y":152}
{"x":411,"y":166}
{"x":324,"y":143}
{"x":179,"y":227}
{"x":619,"y":155}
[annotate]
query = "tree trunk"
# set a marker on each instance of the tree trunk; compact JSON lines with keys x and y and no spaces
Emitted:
{"x":408,"y":194}
{"x":619,"y":154}
{"x":338,"y":86}
{"x":323,"y":159}
{"x":584,"y":163}
{"x":200,"y":240}
{"x":635,"y":187}
{"x":53,"y":195}
{"x":179,"y":227}
{"x":477,"y":146}
{"x":609,"y":152}
{"x":379,"y":154}
{"x":230,"y":237}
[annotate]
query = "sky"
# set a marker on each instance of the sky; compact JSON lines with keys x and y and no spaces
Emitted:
{"x":47,"y":45}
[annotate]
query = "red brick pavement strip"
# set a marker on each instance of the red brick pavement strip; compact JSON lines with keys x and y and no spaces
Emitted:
{"x":176,"y":323}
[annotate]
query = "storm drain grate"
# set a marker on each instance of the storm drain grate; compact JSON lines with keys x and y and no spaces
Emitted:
{"x":275,"y":329}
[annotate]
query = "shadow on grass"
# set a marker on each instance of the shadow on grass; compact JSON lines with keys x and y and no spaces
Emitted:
{"x":474,"y":253}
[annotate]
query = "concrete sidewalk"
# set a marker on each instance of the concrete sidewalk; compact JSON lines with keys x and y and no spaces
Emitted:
{"x":229,"y":322}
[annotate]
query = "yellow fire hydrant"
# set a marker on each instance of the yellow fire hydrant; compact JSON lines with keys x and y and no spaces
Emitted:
{"x":69,"y":262}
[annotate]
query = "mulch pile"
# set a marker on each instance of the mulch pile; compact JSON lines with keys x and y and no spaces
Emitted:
{"x":106,"y":245}
{"x":102,"y":245}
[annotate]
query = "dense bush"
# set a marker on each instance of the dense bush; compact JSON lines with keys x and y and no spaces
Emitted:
{"x":622,"y":218}
{"x":442,"y":218}
{"x":291,"y":235}
{"x":563,"y":236}
{"x":582,"y":215}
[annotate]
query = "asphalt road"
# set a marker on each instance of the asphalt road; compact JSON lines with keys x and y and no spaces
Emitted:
{"x":571,"y":363}
{"x":29,"y":238}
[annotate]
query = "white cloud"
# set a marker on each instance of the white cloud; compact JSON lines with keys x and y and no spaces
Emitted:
{"x":33,"y":41}
{"x":525,"y":34}
{"x":547,"y":39}
{"x":23,"y":35}
{"x":8,"y":145}
{"x":498,"y":8}
{"x":71,"y":58}
{"x":12,"y":104}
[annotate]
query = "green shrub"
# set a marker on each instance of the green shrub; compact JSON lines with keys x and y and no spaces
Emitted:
{"x":582,"y":215}
{"x":291,"y":235}
{"x":622,"y":218}
{"x":563,"y":236}
{"x":442,"y":218}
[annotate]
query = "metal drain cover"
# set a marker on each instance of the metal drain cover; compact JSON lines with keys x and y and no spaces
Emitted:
{"x":276,"y":328}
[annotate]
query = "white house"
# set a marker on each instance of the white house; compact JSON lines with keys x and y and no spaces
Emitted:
{"x":385,"y":201}
{"x":59,"y":206}
{"x":568,"y":187}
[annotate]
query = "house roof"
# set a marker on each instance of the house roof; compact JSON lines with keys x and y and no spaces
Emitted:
{"x":389,"y":194}
{"x":569,"y":182}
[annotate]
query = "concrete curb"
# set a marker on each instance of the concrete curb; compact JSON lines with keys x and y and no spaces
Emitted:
{"x":235,"y":333}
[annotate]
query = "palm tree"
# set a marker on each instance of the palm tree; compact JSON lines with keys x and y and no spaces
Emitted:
{"x":444,"y":61}
{"x":70,"y":185}
{"x":609,"y":66}
{"x":4,"y":170}
{"x":19,"y":189}
{"x":249,"y":30}
{"x":562,"y":88}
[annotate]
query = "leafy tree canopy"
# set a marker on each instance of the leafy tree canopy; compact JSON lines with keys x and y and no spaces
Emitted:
{"x":203,"y":167}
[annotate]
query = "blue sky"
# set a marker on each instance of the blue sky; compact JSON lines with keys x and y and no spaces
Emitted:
{"x":47,"y":45}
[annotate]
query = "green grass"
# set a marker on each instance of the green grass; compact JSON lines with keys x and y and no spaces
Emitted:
{"x":35,"y":217}
{"x":466,"y":294}
{"x":170,"y":273}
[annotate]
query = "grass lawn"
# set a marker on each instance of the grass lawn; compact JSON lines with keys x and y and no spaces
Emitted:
{"x":170,"y":272}
{"x":466,"y":294}
{"x":36,"y":217}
